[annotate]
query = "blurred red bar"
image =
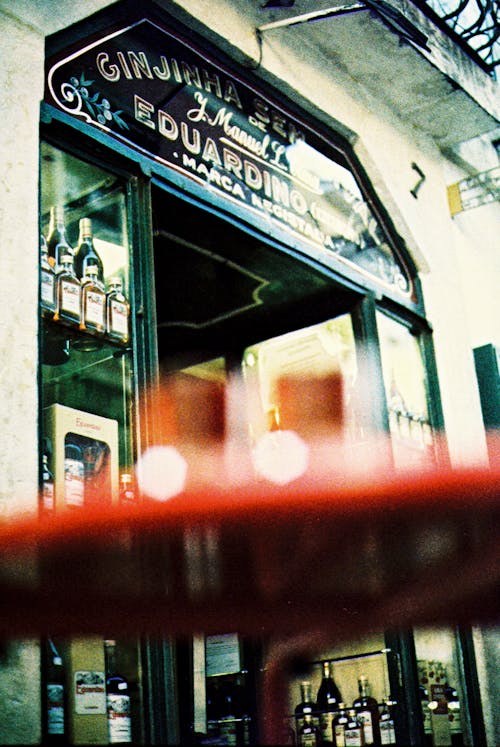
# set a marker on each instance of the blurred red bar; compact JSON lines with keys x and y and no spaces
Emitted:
{"x":301,"y":566}
{"x":261,"y":559}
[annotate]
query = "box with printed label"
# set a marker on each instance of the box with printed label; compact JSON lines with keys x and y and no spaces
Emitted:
{"x":84,"y":457}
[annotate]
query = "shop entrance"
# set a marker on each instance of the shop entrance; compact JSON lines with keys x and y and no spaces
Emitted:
{"x":221,"y":288}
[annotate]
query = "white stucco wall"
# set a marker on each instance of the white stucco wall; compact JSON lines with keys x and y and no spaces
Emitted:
{"x":21,"y":84}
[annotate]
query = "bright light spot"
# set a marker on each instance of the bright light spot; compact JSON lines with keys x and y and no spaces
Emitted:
{"x":281,"y":456}
{"x":161,"y":472}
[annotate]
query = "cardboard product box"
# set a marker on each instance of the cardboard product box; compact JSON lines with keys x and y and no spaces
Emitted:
{"x":84,"y":457}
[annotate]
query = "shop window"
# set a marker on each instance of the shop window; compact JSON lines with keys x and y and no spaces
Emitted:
{"x":92,"y":688}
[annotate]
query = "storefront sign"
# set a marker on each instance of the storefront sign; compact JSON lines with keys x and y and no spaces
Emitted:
{"x":149,"y":89}
{"x":474,"y":191}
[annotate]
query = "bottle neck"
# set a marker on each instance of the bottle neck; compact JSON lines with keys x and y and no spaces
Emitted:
{"x":110,"y":657}
{"x":54,"y":653}
{"x":306,"y":692}
{"x":364,"y":689}
{"x":67,"y":267}
{"x":326,"y":670}
{"x":57,"y":222}
{"x":90,"y":277}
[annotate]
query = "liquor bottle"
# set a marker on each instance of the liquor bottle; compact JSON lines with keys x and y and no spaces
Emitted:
{"x":117,"y":699}
{"x":47,"y":486}
{"x":327,"y":701}
{"x":127,"y":493}
{"x":74,"y":475}
{"x":48,"y":298}
{"x":55,"y":700}
{"x":306,"y":705}
{"x":57,"y":242}
{"x":338,"y":726}
{"x":353,"y":731}
{"x":452,"y":698}
{"x":309,"y":734}
{"x":367,"y":712}
{"x":69,"y":292}
{"x":93,"y":301}
{"x":386,"y":724}
{"x":86,"y":255}
{"x":117,"y":311}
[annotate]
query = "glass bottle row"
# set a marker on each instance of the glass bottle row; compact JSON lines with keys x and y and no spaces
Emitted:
{"x":72,"y":283}
{"x":329,"y":721}
{"x":115,"y":691}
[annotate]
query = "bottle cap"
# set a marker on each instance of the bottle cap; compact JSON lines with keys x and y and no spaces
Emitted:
{"x":115,"y":280}
{"x":85,"y":227}
{"x":58,"y":212}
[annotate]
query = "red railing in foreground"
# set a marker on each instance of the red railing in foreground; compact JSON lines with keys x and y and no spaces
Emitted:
{"x":302,"y":565}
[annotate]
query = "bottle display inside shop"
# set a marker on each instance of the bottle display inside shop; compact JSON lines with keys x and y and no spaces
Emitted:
{"x":327,"y":702}
{"x":47,"y":485}
{"x":57,"y":243}
{"x":117,"y":699}
{"x":353,"y":730}
{"x":306,"y":705}
{"x":367,"y":712}
{"x":55,"y":694}
{"x":386,"y":724}
{"x":309,"y":734}
{"x":74,"y":474}
{"x":338,"y":726}
{"x":86,"y":254}
{"x":93,"y":301}
{"x":48,"y":299}
{"x":69,"y":292}
{"x":117,"y":311}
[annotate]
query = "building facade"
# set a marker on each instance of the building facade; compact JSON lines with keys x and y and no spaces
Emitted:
{"x":398,"y":102}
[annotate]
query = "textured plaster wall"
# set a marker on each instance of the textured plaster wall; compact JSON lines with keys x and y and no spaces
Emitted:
{"x":21,"y":77}
{"x":21,"y":80}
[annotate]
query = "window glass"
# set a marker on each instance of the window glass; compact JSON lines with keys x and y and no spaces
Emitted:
{"x":406,"y":393}
{"x":440,"y":687}
{"x":319,"y":350}
{"x":92,"y":687}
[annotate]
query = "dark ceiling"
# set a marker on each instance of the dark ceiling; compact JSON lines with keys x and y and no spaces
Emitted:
{"x":220,"y":288}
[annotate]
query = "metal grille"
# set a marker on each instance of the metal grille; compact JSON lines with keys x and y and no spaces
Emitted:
{"x":475,"y":22}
